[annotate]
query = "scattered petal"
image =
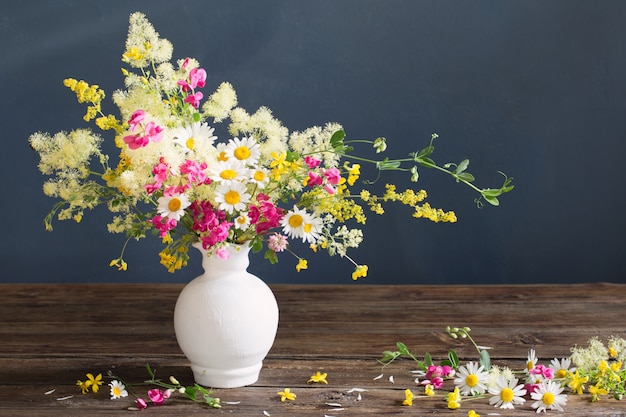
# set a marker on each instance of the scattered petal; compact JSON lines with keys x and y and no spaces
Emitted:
{"x":231,"y":402}
{"x":65,"y":398}
{"x":49,"y":392}
{"x":265,"y":413}
{"x":358,"y":397}
{"x":350,"y":391}
{"x":391,"y":379}
{"x":378,"y":377}
{"x":334,"y":404}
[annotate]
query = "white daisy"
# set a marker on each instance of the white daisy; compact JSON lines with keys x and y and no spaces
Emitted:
{"x":246,"y":150}
{"x":531,"y":360}
{"x":259,"y":176}
{"x":118,"y":390}
{"x":242,"y":221}
{"x":188,"y":136}
{"x":562,"y":368}
{"x":227,"y":172}
{"x":173,"y":206}
{"x":300,"y":224}
{"x":232,"y":197}
{"x":548,"y":397}
{"x":471,"y":379}
{"x":506,"y":393}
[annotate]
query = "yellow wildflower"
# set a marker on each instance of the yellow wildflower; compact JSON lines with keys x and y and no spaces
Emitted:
{"x":408,"y":397}
{"x":353,"y":173}
{"x":612,"y":352}
{"x":472,"y":413}
{"x":286,"y":395}
{"x":119,"y":263}
{"x":359,"y":271}
{"x":577,"y":383}
{"x":83,"y":385}
{"x":318,"y":378}
{"x":94,"y":382}
{"x":302,"y":264}
{"x":454,"y":399}
{"x":596,"y":391}
{"x":429,"y":390}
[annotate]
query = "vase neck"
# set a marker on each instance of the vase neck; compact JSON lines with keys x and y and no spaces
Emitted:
{"x":237,"y":260}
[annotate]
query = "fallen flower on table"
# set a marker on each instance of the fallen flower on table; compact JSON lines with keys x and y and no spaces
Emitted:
{"x":472,"y":413}
{"x":286,"y":395}
{"x":408,"y":397}
{"x":319,"y":378}
{"x":91,"y":382}
{"x":118,"y":390}
{"x":598,"y":367}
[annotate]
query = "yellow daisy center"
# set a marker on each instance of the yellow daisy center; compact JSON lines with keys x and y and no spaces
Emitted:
{"x":222,"y":156}
{"x":561,"y":373}
{"x":242,"y":153}
{"x":232,"y":197}
{"x":259,"y":176}
{"x":471,"y":380}
{"x":295,"y":220}
{"x":174,"y":204}
{"x":507,"y":395}
{"x":241,"y":220}
{"x":308,"y":227}
{"x":228,"y":174}
{"x":548,"y":398}
{"x":116,"y":391}
{"x":191,"y":143}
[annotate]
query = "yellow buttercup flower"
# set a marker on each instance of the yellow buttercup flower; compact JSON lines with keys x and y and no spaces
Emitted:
{"x":286,"y":395}
{"x":302,"y":264}
{"x":408,"y":397}
{"x":319,"y":378}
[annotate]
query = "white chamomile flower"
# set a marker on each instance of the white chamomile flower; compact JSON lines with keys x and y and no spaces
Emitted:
{"x":242,"y":221}
{"x":118,"y":390}
{"x":259,"y":176}
{"x":562,"y":367}
{"x":300,"y":224}
{"x":531,"y":360}
{"x":506,"y":393}
{"x":548,"y":396}
{"x":232,"y":197}
{"x":173,"y":206}
{"x":245,"y":150}
{"x":471,"y":379}
{"x":227,"y":172}
{"x":188,"y":136}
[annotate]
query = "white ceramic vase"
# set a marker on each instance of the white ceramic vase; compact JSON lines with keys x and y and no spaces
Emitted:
{"x":226,"y":321}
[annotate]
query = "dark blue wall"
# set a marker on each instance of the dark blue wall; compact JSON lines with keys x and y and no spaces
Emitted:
{"x":534,"y":88}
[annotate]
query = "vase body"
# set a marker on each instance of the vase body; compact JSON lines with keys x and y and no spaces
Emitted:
{"x":226,"y":321}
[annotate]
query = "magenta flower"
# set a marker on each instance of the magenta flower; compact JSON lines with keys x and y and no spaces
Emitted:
{"x":141,"y":403}
{"x":194,"y":99}
{"x":136,"y":118}
{"x":158,"y":396}
{"x":160,"y":171}
{"x":333,"y":175}
{"x":197,"y":78}
{"x":312,"y":162}
{"x":136,"y":141}
{"x":314,"y":179}
{"x":154,"y":132}
{"x":194,"y":171}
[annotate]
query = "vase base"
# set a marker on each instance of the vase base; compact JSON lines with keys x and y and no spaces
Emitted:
{"x":226,"y":378}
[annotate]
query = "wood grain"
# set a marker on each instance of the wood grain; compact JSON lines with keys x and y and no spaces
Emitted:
{"x":51,"y":335}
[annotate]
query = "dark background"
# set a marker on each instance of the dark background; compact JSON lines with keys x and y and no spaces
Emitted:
{"x":533,"y":88}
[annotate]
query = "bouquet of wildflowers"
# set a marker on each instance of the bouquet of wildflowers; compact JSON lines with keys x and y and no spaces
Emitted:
{"x":263,"y":186}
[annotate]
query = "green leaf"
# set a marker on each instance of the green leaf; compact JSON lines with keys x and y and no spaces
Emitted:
{"x":196,"y":117}
{"x":150,"y":371}
{"x":425,"y":152}
{"x":191,"y":392}
{"x":485,"y":360}
{"x":337,"y":138}
{"x":387,"y":165}
{"x":492,"y":200}
{"x":465,"y":176}
{"x":292,"y":156}
{"x":256,"y":244}
{"x":453,"y":358}
{"x":428,"y":360}
{"x":462,"y":166}
{"x":271,"y":256}
{"x":427,"y":162}
{"x":402,"y":348}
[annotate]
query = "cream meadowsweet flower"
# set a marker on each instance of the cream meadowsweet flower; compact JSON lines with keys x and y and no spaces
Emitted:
{"x":189,"y":135}
{"x":471,"y":379}
{"x":173,"y":206}
{"x":232,"y":197}
{"x":507,"y":393}
{"x":118,"y":390}
{"x":245,"y":150}
{"x":548,"y":396}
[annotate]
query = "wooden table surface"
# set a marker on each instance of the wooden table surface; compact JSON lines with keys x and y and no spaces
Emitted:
{"x":52,"y":335}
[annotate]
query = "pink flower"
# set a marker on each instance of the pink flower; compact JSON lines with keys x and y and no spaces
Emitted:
{"x":436,"y":382}
{"x":314,"y":179}
{"x":312,"y":162}
{"x":185,"y":63}
{"x":197,"y":77}
{"x":329,"y":189}
{"x":333,"y":175}
{"x":154,"y":132}
{"x":163,"y":224}
{"x":157,"y":396}
{"x":194,"y":99}
{"x":136,"y":141}
{"x":160,"y":171}
{"x":152,"y":188}
{"x":222,"y":253}
{"x":141,"y":403}
{"x":277,"y":242}
{"x":136,"y":118}
{"x":544,"y":371}
{"x":194,"y":171}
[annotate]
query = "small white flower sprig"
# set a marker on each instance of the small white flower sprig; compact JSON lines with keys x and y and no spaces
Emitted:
{"x":597,"y":369}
